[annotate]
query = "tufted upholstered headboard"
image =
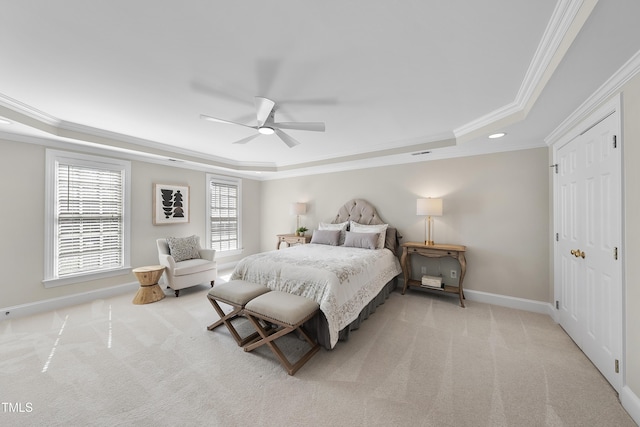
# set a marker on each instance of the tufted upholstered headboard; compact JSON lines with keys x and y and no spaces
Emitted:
{"x":358,"y":210}
{"x":363,"y":212}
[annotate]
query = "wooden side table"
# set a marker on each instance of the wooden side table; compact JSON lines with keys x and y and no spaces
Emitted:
{"x":149,"y":289}
{"x":292,"y":239}
{"x":433,"y":251}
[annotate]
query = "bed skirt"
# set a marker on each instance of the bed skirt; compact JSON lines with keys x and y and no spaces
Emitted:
{"x":318,"y":328}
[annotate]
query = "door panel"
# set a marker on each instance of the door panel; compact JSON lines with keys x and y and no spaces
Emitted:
{"x":589,"y":189}
{"x":569,"y":239}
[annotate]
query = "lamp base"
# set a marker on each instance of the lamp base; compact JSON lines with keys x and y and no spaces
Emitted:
{"x":428,"y":228}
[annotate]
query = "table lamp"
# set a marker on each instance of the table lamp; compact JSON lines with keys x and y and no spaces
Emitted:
{"x":298,"y":209}
{"x":429,"y":207}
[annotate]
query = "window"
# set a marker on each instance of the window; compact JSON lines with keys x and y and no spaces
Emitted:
{"x":87,"y":222}
{"x":224,"y":213}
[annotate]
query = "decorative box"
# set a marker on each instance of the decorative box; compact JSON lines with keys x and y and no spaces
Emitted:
{"x":432,"y":282}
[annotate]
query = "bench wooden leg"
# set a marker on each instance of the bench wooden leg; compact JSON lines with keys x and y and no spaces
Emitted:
{"x":226,"y":320}
{"x":268,"y":337}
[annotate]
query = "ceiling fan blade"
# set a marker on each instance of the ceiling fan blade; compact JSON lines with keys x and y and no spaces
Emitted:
{"x":213,"y":119}
{"x":286,"y":138}
{"x":313,"y":126}
{"x":263,"y":109}
{"x":247,"y":139}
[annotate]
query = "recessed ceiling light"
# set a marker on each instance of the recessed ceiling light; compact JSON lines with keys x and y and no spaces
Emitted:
{"x":497,"y":135}
{"x":4,"y":121}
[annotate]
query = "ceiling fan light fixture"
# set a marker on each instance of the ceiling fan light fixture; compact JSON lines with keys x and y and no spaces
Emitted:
{"x":265,"y":109}
{"x":266,"y":130}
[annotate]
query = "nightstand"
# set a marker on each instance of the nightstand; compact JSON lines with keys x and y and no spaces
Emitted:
{"x":292,"y":239}
{"x":433,"y":251}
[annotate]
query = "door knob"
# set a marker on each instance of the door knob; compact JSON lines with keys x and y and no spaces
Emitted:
{"x":578,"y":253}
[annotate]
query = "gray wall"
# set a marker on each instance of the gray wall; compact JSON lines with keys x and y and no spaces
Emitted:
{"x":22,"y":169}
{"x":497,"y":205}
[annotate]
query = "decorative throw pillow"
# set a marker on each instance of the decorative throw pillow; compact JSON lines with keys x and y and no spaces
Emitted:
{"x":361,"y":240}
{"x":183,"y":248}
{"x":326,"y":237}
{"x":342,"y":226}
{"x":381,"y":229}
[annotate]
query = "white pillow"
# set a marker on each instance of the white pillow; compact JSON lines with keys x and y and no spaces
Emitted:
{"x":373,"y":228}
{"x":342,"y":226}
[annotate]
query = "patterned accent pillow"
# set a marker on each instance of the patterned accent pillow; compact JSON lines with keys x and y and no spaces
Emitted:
{"x":184,"y":248}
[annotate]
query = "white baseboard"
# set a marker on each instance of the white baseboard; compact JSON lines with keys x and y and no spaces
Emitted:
{"x":60,"y":302}
{"x":511,"y":302}
{"x":631,"y":403}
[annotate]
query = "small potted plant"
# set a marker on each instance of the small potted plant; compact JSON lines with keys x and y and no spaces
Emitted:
{"x":301,"y":230}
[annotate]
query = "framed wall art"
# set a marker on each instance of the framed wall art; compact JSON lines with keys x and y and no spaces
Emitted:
{"x":170,"y":204}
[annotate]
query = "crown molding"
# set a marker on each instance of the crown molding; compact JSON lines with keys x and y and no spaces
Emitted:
{"x":554,"y":35}
{"x":559,"y":34}
{"x":611,"y":87}
{"x":25,"y":110}
{"x":86,"y":136}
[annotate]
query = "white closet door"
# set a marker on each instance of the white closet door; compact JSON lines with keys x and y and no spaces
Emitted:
{"x":570,"y":299}
{"x":590,"y":297}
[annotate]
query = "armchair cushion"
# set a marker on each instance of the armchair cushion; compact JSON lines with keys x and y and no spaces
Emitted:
{"x":191,"y":266}
{"x":184,"y":248}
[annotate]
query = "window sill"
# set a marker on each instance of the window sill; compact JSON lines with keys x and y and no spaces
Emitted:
{"x":86,"y":277}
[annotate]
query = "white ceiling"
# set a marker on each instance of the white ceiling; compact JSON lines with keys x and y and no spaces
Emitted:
{"x":388,"y":78}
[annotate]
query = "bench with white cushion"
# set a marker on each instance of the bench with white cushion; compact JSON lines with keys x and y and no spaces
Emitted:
{"x":288,"y":312}
{"x":236,"y":293}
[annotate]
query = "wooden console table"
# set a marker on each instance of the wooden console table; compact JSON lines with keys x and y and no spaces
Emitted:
{"x":433,"y":251}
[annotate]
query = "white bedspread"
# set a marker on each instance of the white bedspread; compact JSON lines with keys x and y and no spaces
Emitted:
{"x":342,"y":280}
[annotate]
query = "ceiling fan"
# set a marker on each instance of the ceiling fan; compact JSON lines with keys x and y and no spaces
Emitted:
{"x":265,"y":111}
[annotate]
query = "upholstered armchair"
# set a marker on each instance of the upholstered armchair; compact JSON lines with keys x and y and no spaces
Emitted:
{"x":186,"y":263}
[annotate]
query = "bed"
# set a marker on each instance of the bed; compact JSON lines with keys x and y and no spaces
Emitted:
{"x":348,"y":282}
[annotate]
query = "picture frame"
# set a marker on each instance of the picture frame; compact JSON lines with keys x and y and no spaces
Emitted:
{"x":170,"y":204}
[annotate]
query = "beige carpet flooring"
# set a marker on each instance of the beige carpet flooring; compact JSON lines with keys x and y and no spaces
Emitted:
{"x":420,"y":360}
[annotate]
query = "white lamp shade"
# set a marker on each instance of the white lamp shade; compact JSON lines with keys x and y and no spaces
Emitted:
{"x":298,"y":208}
{"x":430,"y":207}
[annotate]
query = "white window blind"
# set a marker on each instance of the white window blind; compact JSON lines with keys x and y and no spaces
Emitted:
{"x":224,"y":214}
{"x":87,"y":210}
{"x":89,"y":213}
